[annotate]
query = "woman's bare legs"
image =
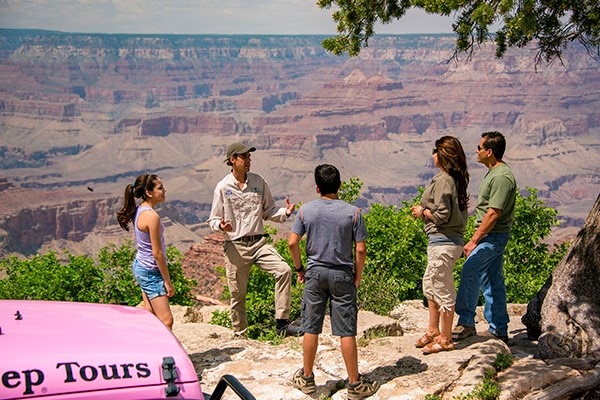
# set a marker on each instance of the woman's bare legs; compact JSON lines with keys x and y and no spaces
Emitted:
{"x":443,"y":317}
{"x":434,"y":318}
{"x":159,"y":306}
{"x":446,"y":319}
{"x":147,"y":305}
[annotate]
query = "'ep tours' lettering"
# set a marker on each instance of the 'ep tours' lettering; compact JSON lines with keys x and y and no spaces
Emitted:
{"x":74,"y":372}
{"x":30,"y":378}
{"x":89,"y":373}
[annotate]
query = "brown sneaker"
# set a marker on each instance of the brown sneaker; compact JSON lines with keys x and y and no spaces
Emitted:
{"x":461,"y":332}
{"x":362,"y":389}
{"x":305,"y":383}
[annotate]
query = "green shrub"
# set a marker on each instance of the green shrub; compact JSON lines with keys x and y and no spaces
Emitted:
{"x":119,"y":284}
{"x":43,"y":277}
{"x":182,"y":284}
{"x":396,"y":258}
{"x":221,"y":318}
{"x":110,"y":280}
{"x":502,"y":362}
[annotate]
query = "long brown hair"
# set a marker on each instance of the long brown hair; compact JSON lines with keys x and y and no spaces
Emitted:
{"x":143,"y":183}
{"x":452,"y":159}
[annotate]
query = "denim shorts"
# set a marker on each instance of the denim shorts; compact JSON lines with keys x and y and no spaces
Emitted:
{"x":150,"y":280}
{"x":334,"y":286}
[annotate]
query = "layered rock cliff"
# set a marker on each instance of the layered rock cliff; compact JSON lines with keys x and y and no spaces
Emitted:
{"x":79,"y":110}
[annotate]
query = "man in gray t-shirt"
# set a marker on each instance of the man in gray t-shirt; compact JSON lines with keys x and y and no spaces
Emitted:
{"x":332,"y":226}
{"x":334,"y":231}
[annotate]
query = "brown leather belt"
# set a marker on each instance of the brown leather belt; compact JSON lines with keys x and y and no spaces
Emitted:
{"x":249,"y":238}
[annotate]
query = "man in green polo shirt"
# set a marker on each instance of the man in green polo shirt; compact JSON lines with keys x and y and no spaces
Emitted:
{"x":483,"y":269}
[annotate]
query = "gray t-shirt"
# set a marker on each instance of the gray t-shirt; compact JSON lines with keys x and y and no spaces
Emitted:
{"x":331,"y":227}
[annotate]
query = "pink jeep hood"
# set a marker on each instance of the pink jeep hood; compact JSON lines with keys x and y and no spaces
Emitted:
{"x":84,"y":350}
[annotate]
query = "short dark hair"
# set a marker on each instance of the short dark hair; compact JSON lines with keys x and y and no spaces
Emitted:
{"x":327,"y":178}
{"x":496,"y":142}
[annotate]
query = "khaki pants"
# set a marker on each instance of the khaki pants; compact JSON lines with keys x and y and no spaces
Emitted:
{"x":240,"y":257}
{"x":438,"y":281}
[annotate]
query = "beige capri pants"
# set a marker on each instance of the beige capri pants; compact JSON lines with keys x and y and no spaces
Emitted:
{"x":438,"y":282}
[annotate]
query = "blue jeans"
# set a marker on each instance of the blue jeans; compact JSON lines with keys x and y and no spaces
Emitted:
{"x":483,"y":270}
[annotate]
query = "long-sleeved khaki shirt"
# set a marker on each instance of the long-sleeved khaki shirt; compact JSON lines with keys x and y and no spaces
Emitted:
{"x":246,"y":208}
{"x":441,"y":198}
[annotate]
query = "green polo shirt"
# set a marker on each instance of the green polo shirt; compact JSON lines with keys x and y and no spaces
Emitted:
{"x":498,"y":190}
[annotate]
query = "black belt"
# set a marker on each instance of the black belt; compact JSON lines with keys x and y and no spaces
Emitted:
{"x":249,"y":238}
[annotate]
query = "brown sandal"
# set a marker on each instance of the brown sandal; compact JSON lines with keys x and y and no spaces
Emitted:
{"x":437,"y":346}
{"x":425,"y":340}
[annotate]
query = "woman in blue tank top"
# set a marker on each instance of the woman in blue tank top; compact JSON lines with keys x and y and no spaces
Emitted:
{"x":150,"y":264}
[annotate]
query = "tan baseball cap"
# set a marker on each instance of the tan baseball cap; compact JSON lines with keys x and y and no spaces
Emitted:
{"x":238,"y":148}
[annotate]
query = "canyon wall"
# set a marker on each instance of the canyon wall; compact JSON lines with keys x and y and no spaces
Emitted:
{"x":83,"y":114}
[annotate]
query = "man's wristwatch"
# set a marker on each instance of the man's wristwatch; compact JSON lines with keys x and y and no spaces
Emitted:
{"x":301,"y":269}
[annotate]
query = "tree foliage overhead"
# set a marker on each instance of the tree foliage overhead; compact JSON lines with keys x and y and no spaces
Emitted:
{"x":551,"y":25}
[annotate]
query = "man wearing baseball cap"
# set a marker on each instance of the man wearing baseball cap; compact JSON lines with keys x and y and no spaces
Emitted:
{"x":242,"y":200}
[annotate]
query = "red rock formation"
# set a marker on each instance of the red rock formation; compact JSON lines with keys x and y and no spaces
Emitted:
{"x":50,"y":216}
{"x":200,"y":262}
{"x":39,"y":108}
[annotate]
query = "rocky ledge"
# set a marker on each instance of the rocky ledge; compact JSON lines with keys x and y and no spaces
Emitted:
{"x":386,"y":353}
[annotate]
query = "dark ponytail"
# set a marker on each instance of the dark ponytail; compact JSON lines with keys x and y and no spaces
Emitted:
{"x":143,"y":183}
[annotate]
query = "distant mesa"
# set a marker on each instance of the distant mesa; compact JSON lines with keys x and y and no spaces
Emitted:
{"x":84,"y":111}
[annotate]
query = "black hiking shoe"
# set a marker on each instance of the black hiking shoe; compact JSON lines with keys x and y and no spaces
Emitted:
{"x":284,"y":327}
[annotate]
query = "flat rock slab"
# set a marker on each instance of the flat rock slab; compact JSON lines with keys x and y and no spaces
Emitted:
{"x":386,"y":353}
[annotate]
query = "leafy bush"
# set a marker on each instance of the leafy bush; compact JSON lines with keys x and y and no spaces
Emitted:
{"x":43,"y":277}
{"x":350,"y":191}
{"x":110,"y":280}
{"x":119,"y":283}
{"x":396,"y":258}
{"x":529,"y":261}
{"x":502,"y":361}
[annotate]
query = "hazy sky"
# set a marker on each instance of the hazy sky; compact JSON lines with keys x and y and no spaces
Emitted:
{"x":193,"y":17}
